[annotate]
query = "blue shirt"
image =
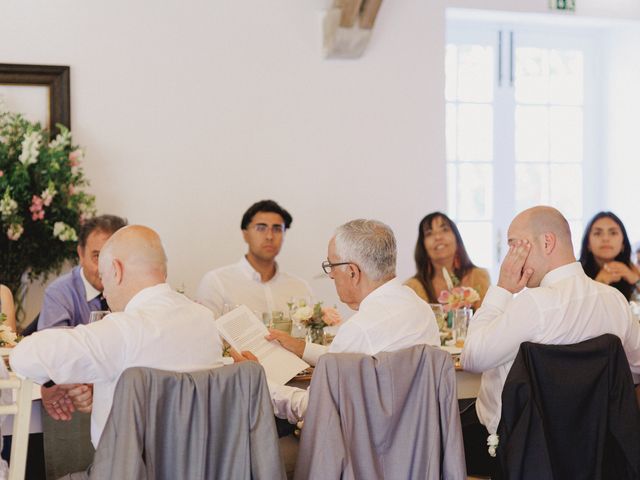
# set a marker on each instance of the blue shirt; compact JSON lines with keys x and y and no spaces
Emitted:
{"x":65,"y":302}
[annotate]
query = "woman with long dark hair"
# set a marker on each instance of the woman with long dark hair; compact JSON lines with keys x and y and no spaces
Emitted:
{"x":440,"y":246}
{"x":606,"y":254}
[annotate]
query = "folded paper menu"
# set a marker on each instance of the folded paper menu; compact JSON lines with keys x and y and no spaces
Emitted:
{"x":243,"y":331}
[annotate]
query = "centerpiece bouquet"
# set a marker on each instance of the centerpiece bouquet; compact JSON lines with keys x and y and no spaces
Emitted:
{"x":42,"y":202}
{"x":315,"y":318}
{"x":8,"y":337}
{"x":457,"y":296}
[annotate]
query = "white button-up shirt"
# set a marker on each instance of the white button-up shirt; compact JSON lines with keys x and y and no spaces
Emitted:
{"x":390,"y":318}
{"x":567,"y":308}
{"x":241,"y":284}
{"x":159,"y":328}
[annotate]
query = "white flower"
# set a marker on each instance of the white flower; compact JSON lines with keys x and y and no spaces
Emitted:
{"x":492,"y":442}
{"x":14,"y":232}
{"x":303,"y":313}
{"x":62,"y":140}
{"x":7,"y":336}
{"x":64,"y":232}
{"x":30,"y":148}
{"x":8,"y":206}
{"x":48,"y":194}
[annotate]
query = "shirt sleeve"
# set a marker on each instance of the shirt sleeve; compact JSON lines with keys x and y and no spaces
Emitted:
{"x":85,"y":354}
{"x":288,"y":402}
{"x":498,"y":328}
{"x":312,"y":352}
{"x":54,"y":313}
{"x":208,"y":294}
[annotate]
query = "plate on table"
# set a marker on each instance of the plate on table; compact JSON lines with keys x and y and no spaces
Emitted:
{"x":304,"y":375}
{"x":452,"y":349}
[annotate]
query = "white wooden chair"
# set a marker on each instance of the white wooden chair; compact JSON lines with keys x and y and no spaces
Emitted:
{"x":21,"y":408}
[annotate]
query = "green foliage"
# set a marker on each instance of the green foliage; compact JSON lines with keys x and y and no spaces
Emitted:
{"x":42,"y":204}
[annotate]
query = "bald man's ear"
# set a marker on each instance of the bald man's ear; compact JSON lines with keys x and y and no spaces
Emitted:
{"x":118,"y":270}
{"x":550,"y":241}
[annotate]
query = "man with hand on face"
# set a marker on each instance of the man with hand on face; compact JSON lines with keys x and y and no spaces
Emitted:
{"x":255,"y":281}
{"x":561,"y":306}
{"x":361,"y":261}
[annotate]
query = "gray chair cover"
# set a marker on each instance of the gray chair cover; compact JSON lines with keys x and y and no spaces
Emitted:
{"x":394,"y":416}
{"x":211,"y":424}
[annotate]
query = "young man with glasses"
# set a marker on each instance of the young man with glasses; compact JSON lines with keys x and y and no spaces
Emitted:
{"x":255,"y":281}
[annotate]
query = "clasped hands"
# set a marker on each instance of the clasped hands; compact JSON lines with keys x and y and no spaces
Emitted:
{"x":613,"y":272}
{"x":60,"y":401}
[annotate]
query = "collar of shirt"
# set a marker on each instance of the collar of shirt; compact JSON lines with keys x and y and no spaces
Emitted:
{"x":251,"y":272}
{"x":145,"y":294}
{"x":89,"y":290}
{"x":394,"y":282}
{"x":560,"y":273}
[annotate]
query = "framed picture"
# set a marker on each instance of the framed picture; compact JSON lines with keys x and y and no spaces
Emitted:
{"x":40,"y":92}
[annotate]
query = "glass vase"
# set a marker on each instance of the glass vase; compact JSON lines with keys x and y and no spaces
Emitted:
{"x":315,"y":335}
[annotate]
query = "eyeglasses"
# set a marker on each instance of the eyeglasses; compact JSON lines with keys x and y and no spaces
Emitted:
{"x":276,"y":229}
{"x":327,"y":266}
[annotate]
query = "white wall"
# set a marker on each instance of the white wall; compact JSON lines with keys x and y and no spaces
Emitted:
{"x":190,"y":112}
{"x":623,"y":140}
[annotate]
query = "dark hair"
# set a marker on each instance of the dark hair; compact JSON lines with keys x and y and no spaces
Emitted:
{"x":105,"y":223}
{"x":589,"y":264}
{"x":265,"y":206}
{"x":424,"y":267}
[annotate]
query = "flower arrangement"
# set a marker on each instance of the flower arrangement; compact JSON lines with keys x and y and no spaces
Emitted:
{"x":42,"y":203}
{"x":8,"y":337}
{"x":456,"y":296}
{"x":316,"y":316}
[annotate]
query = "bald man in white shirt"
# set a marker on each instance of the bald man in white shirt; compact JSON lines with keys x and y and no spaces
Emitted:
{"x":151,"y":326}
{"x":561,"y":306}
{"x":361,"y":261}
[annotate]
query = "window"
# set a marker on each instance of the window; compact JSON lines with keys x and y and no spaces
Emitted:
{"x":518,"y":106}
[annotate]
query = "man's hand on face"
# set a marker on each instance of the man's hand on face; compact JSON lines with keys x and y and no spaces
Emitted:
{"x":295,"y":345}
{"x":56,"y":402}
{"x":513,"y":275}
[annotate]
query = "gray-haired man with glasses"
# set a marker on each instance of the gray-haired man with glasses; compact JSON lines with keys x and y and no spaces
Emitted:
{"x":361,"y":261}
{"x":255,"y":281}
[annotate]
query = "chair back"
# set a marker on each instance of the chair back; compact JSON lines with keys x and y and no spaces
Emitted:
{"x":392,"y":415}
{"x":20,"y":407}
{"x":210,"y":424}
{"x":569,"y":411}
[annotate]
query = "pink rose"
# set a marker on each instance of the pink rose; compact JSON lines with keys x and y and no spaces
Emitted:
{"x":1,"y":173}
{"x":444,"y":296}
{"x":75,"y":157}
{"x":331,"y":316}
{"x":36,"y":208}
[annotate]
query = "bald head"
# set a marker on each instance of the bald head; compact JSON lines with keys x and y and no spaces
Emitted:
{"x":131,"y":260}
{"x":542,"y":219}
{"x":549,"y":235}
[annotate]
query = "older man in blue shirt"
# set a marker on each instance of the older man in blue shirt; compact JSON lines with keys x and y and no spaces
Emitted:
{"x":69,"y":299}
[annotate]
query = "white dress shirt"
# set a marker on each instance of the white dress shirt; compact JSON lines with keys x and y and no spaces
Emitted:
{"x":90,"y":291}
{"x":391,"y":317}
{"x":159,"y":328}
{"x":567,"y":308}
{"x":241,"y":284}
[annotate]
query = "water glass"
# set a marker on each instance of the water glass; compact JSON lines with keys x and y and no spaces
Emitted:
{"x":438,"y":312}
{"x":461,"y":317}
{"x":280,"y":322}
{"x":98,"y":315}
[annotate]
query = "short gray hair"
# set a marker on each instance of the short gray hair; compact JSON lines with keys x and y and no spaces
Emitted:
{"x":369,"y":244}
